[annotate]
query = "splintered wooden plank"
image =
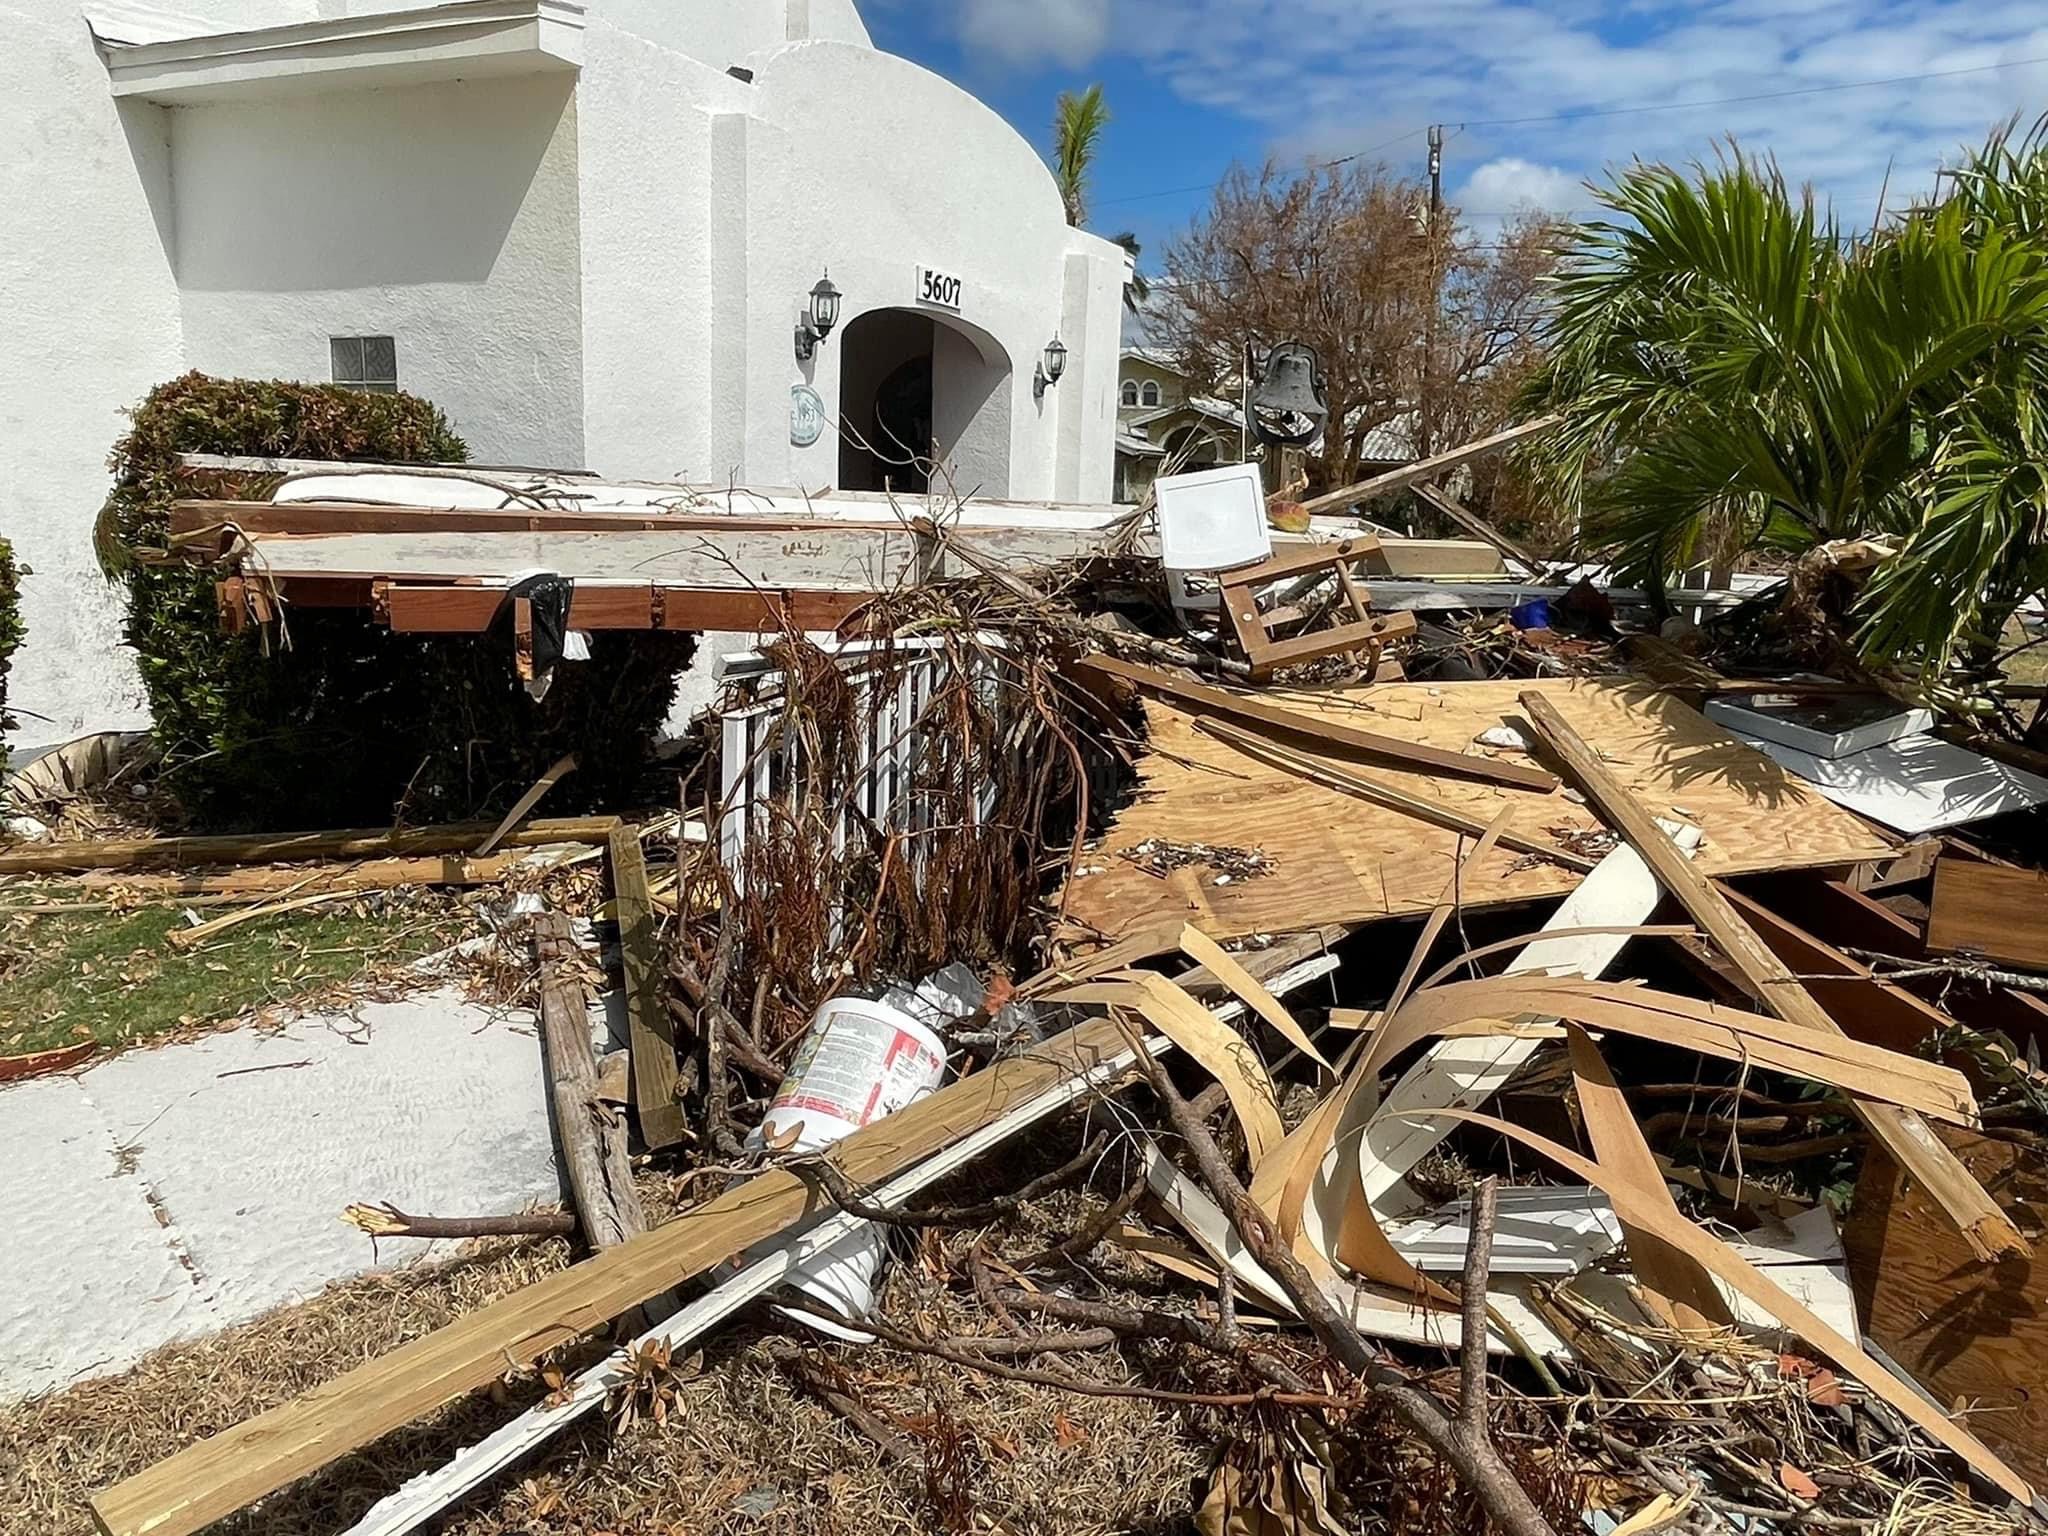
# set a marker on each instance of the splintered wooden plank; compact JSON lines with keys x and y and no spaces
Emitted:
{"x":1906,"y":1135}
{"x":654,"y":1040}
{"x":1990,"y":910}
{"x":232,"y":1469}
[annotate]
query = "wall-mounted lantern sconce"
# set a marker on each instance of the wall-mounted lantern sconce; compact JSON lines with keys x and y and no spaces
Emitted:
{"x":816,"y":325}
{"x":1050,"y":367}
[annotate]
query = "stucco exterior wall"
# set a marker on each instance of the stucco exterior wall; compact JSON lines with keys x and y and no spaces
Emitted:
{"x":443,"y":215}
{"x":721,"y":34}
{"x":597,"y":269}
{"x":649,"y":228}
{"x":838,"y":175}
{"x":91,"y":323}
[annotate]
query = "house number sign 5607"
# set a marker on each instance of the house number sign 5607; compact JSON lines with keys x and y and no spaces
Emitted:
{"x":939,"y":288}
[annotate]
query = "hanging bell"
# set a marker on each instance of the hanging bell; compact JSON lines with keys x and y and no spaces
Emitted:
{"x":1289,"y":405}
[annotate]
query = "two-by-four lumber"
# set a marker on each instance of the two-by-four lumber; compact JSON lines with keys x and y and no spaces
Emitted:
{"x":592,"y":1137}
{"x":281,"y":847}
{"x":1444,"y":502}
{"x":1906,"y":1135}
{"x":1989,"y":910}
{"x":232,"y":1469}
{"x":1415,"y":755}
{"x":653,"y":1030}
{"x":1425,"y":469}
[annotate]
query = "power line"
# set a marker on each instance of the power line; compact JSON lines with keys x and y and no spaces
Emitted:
{"x":1574,"y":114}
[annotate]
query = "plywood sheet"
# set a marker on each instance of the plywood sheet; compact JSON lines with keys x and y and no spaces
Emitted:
{"x":1342,"y":859}
{"x":1973,"y":1334}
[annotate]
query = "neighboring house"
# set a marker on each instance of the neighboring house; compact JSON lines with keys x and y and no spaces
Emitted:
{"x":588,"y":233}
{"x":1162,"y":427}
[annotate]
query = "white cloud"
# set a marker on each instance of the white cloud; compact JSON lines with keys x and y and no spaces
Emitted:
{"x":1511,"y":184}
{"x":1331,"y":77}
{"x":1065,"y":32}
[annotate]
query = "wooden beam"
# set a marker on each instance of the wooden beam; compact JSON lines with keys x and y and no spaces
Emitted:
{"x":278,"y":848}
{"x":592,"y":1137}
{"x":1413,"y":755}
{"x":1984,"y":909}
{"x":653,"y":1038}
{"x":254,"y":883}
{"x":1882,"y":1012}
{"x":1426,"y":469}
{"x":412,"y":608}
{"x":1906,"y":1135}
{"x":230,"y":1470}
{"x":1444,"y":502}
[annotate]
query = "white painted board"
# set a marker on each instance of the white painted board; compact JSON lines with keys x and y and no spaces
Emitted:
{"x":1920,"y":784}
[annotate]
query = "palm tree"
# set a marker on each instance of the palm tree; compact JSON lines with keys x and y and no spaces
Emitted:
{"x":1078,"y":119}
{"x":1726,"y":360}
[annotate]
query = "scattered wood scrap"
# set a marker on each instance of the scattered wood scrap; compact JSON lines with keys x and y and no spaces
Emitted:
{"x":654,"y":1070}
{"x":1344,"y":859}
{"x":1908,"y":1137}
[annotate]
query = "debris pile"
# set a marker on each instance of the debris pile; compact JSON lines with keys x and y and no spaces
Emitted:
{"x":1445,"y":1074}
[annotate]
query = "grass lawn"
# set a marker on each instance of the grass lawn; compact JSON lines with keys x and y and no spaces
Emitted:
{"x":114,"y":977}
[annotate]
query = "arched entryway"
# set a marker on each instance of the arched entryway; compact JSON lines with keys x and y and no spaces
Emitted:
{"x":909,"y":379}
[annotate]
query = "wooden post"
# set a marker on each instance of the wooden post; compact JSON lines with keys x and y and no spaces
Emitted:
{"x":653,"y":1031}
{"x":1906,"y":1135}
{"x":592,"y":1138}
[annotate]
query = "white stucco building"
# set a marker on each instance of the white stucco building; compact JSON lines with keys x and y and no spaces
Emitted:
{"x":586,"y":232}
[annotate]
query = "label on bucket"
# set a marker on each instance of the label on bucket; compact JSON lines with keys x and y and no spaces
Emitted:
{"x":858,"y":1068}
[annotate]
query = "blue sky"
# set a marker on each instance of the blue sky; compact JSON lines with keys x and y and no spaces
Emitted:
{"x":1194,"y":84}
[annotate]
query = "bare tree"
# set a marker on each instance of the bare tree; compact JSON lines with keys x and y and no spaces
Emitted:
{"x":1430,"y":328}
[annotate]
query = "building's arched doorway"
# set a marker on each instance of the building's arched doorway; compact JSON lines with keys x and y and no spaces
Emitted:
{"x":909,"y":379}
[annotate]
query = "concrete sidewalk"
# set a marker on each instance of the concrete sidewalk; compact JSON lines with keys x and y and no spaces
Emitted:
{"x":172,"y":1192}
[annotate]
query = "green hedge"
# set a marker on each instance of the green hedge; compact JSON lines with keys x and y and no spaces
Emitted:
{"x":11,"y":630}
{"x":339,"y":721}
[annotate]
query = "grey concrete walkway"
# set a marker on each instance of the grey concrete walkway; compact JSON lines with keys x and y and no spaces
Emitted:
{"x":171,"y":1192}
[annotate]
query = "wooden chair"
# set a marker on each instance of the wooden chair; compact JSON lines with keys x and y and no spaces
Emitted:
{"x":1310,"y":564}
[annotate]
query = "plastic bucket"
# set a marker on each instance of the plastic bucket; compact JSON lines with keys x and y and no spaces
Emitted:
{"x":861,"y":1060}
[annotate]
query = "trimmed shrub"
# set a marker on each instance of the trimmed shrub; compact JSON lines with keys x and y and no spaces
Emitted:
{"x":11,"y":631}
{"x":334,"y":719}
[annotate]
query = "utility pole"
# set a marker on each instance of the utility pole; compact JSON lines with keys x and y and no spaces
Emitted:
{"x":1425,"y":435}
{"x":1436,"y":173}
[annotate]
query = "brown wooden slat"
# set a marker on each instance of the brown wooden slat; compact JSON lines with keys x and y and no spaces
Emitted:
{"x":1879,"y":1012}
{"x":653,"y":1030}
{"x":273,"y":848}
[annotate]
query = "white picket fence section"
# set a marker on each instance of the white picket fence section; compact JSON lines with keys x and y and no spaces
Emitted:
{"x":761,"y":762}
